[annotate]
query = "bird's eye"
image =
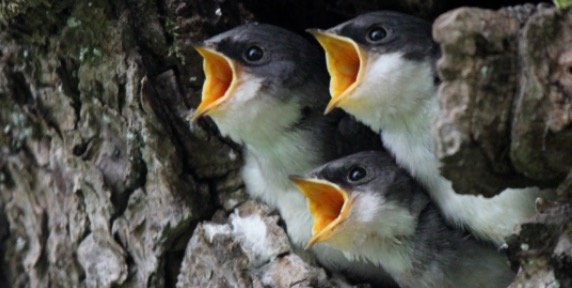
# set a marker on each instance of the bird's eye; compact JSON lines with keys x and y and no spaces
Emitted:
{"x":253,"y":54}
{"x":376,"y":34}
{"x":356,"y":174}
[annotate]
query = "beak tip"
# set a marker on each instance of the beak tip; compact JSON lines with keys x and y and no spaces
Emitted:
{"x":312,"y":31}
{"x":197,"y":45}
{"x":203,"y":49}
{"x":334,"y":103}
{"x":196,"y":116}
{"x":311,"y":243}
{"x":295,"y":178}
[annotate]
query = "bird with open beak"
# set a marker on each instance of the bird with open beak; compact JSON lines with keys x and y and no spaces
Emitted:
{"x":266,"y":88}
{"x":382,"y":69}
{"x":369,"y":208}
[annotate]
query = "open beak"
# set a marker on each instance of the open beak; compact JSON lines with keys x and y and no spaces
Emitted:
{"x":220,"y":73}
{"x":329,"y":205}
{"x":346,"y":62}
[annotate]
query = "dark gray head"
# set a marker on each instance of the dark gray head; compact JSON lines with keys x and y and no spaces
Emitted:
{"x":259,"y":79}
{"x":388,"y":31}
{"x":361,"y":195}
{"x":279,"y":56}
{"x":372,"y":172}
{"x":382,"y":66}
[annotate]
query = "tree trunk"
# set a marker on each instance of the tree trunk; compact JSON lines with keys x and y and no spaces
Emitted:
{"x":103,"y":181}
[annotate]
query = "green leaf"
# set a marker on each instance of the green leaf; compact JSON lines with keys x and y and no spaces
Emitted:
{"x":561,"y":4}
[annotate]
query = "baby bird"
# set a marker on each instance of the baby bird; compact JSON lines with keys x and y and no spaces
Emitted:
{"x":382,"y":68}
{"x":266,"y":89}
{"x":369,"y":208}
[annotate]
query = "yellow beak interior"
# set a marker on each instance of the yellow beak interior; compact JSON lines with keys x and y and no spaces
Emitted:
{"x":345,"y":61}
{"x":329,"y":206}
{"x":220,"y":75}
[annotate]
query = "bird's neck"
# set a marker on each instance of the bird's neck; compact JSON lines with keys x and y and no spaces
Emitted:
{"x":445,"y":256}
{"x":410,"y":139}
{"x":289,"y":153}
{"x":292,"y":152}
{"x":407,"y":257}
{"x":293,"y":142}
{"x":400,"y":95}
{"x":267,"y":167}
{"x":390,"y":239}
{"x":415,"y":119}
{"x":393,"y":255}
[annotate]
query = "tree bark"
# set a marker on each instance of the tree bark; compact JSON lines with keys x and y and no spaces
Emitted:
{"x":103,"y":181}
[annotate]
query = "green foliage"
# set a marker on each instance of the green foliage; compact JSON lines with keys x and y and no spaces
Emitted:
{"x":561,"y":4}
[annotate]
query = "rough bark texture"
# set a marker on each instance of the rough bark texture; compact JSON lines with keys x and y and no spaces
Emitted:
{"x":506,"y":97}
{"x":230,"y":254}
{"x":104,"y":183}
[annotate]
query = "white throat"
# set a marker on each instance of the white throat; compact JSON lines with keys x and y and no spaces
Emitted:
{"x":392,"y":255}
{"x":378,"y":232}
{"x":253,"y":117}
{"x":397,"y":87}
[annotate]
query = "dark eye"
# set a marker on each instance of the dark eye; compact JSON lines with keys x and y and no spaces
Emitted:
{"x":253,"y":54}
{"x":356,"y":174}
{"x":376,"y":34}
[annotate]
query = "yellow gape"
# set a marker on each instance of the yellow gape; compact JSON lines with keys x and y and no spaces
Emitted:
{"x":220,"y":74}
{"x":346,"y":62}
{"x":329,"y":205}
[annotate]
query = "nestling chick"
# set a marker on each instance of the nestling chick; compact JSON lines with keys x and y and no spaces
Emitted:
{"x":382,"y":68}
{"x":369,"y":208}
{"x":266,"y":89}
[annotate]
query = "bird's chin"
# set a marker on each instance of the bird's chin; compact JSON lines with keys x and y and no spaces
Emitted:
{"x":392,"y":89}
{"x":358,"y":106}
{"x":341,"y":241}
{"x":226,"y":126}
{"x":254,"y":118}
